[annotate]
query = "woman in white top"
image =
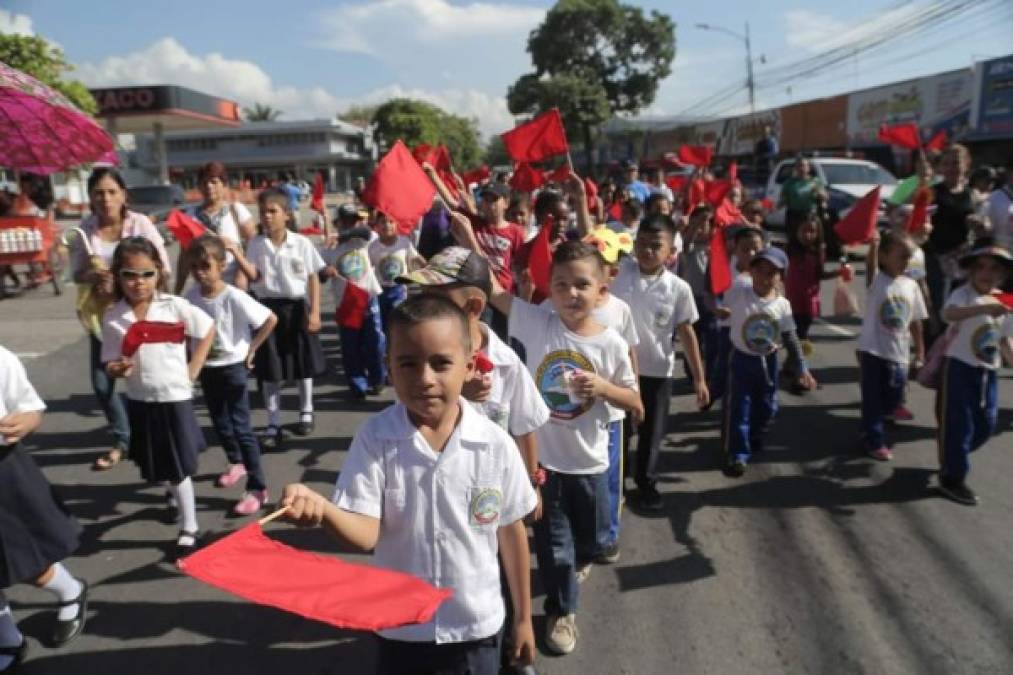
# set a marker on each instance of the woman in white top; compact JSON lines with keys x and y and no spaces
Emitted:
{"x":91,"y":256}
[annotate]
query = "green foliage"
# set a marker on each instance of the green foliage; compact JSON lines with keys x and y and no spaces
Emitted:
{"x":417,"y":122}
{"x":496,"y":154}
{"x":47,"y":64}
{"x":261,"y":113}
{"x":359,"y":115}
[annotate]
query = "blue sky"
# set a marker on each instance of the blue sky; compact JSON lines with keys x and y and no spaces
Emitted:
{"x":312,"y":59}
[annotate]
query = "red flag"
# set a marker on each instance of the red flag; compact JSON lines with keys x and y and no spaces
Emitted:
{"x":526,"y":178}
{"x":1005,"y":298}
{"x":540,"y":259}
{"x":676,"y":183}
{"x":697,"y":155}
{"x":919,"y":211}
{"x":352,"y":310}
{"x":733,"y":172}
{"x":483,"y":364}
{"x":400,"y":188}
{"x":727,"y":213}
{"x":857,"y":227}
{"x":697,"y":192}
{"x":478,"y":175}
{"x":256,"y":568}
{"x":559,"y":174}
{"x":616,"y":211}
{"x":317,"y":201}
{"x":184,"y":228}
{"x":903,"y":135}
{"x":720,"y":270}
{"x":151,"y":332}
{"x":533,"y":141}
{"x":937,"y":142}
{"x":715,"y":191}
{"x":438,"y":157}
{"x":591,"y":190}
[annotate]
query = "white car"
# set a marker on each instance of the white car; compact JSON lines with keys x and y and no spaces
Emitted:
{"x":847,"y":181}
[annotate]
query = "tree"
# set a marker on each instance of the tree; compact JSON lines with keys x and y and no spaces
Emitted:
{"x":261,"y":113}
{"x":417,"y":122}
{"x":35,"y":56}
{"x":594,"y":59}
{"x":359,"y":115}
{"x":496,"y":154}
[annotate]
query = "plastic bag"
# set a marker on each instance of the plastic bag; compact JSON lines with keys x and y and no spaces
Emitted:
{"x":845,"y":302}
{"x":930,"y":375}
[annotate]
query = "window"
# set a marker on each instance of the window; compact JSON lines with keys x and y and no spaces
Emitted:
{"x":857,"y":174}
{"x":784,"y":172}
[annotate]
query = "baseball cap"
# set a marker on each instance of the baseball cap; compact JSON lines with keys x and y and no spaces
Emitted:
{"x":630,"y":164}
{"x":495,"y":188}
{"x":452,"y":265}
{"x":987,"y":246}
{"x":774,"y":256}
{"x":348,"y":210}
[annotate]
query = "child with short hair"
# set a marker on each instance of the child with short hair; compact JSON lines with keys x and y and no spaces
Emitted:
{"x":579,"y":366}
{"x":968,"y":398}
{"x":695,"y":270}
{"x":392,"y":255}
{"x":165,"y":439}
{"x":387,"y":500}
{"x":241,"y":325}
{"x":282,"y":267}
{"x":894,"y":311}
{"x":760,"y":322}
{"x":662,"y":307}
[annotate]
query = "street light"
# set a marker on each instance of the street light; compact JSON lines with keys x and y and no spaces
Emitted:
{"x":749,"y":57}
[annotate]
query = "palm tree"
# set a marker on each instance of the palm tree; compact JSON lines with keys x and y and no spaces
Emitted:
{"x":261,"y":113}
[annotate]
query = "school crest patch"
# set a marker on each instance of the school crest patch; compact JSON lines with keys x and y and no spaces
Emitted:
{"x":486,"y":504}
{"x":894,"y":313}
{"x":553,"y":379}
{"x":759,"y":333}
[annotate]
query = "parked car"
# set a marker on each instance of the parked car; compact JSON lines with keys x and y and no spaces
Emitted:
{"x":156,"y":201}
{"x":847,"y":181}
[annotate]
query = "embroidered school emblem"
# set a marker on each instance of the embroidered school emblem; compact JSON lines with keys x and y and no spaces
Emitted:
{"x":985,"y":343}
{"x":554,"y":380}
{"x":352,"y":266}
{"x":485,"y":506}
{"x":759,"y":333}
{"x":894,"y":313}
{"x":391,"y":268}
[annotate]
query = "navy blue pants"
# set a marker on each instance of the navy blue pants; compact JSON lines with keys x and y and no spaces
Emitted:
{"x":474,"y":657}
{"x":362,"y":351}
{"x":391,"y":297}
{"x":228,"y":400}
{"x":882,"y":385}
{"x":566,"y":535}
{"x":968,"y":408}
{"x":656,"y":393}
{"x":750,"y":402}
{"x":608,"y":530}
{"x":706,"y":328}
{"x":717,"y":378}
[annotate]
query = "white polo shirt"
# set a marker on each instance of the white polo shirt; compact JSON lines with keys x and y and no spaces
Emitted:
{"x":439,"y":513}
{"x":514,"y":403}
{"x":237,"y":316}
{"x":16,"y":393}
{"x":659,"y":304}
{"x":757,"y":323}
{"x":892,"y":303}
{"x":160,"y":370}
{"x":285,"y":270}
{"x":978,"y":338}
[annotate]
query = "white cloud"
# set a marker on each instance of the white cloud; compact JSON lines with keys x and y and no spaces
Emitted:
{"x":168,"y":62}
{"x":15,"y":24}
{"x":814,"y":32}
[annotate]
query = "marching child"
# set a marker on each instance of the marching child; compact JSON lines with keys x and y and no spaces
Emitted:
{"x":968,"y":398}
{"x":165,"y":439}
{"x":356,"y":290}
{"x":35,"y":529}
{"x":392,"y":255}
{"x":241,"y":325}
{"x":282,"y":267}
{"x":695,"y":270}
{"x":662,"y":307}
{"x":579,"y":366}
{"x":760,"y":323}
{"x":893,"y":318}
{"x":388,"y":502}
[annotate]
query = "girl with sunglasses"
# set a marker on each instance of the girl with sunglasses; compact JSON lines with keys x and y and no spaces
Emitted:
{"x":144,"y":342}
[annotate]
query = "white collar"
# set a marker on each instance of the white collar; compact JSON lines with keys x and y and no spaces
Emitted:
{"x":497,"y":350}
{"x":397,"y":426}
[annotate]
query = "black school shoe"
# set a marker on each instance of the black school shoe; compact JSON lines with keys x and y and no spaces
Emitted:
{"x":649,"y":499}
{"x":272,"y":438}
{"x":305,"y":426}
{"x":958,"y":492}
{"x":65,"y":631}
{"x":735,"y":468}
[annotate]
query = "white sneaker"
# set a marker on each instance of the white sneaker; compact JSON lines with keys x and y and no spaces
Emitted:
{"x":561,"y":633}
{"x":583,"y":572}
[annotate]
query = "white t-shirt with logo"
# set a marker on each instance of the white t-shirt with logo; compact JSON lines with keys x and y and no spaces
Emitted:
{"x":741,"y":280}
{"x":391,"y":262}
{"x":659,"y":305}
{"x":892,"y":303}
{"x":757,"y":323}
{"x":284,"y":270}
{"x":977,"y":340}
{"x":237,"y":316}
{"x":351,"y":260}
{"x":514,"y":402}
{"x":916,"y":265}
{"x":575,"y":440}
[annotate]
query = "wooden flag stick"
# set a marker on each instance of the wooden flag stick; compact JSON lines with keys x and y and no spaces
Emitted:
{"x":277,"y":514}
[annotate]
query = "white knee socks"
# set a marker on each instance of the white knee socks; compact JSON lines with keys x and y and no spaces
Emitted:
{"x":272,"y":402}
{"x":183,"y":491}
{"x":65,"y":587}
{"x":306,"y":396}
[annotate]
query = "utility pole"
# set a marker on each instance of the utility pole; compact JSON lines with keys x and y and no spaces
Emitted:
{"x":749,"y":73}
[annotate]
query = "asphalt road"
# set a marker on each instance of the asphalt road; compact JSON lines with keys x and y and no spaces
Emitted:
{"x":818,"y":561}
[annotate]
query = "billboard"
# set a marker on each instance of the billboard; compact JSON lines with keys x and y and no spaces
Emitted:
{"x":994,"y":98}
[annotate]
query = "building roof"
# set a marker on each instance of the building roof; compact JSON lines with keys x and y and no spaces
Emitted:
{"x":268,"y":128}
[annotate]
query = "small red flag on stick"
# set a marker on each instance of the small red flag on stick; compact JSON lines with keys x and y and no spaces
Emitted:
{"x":352,"y":310}
{"x":720,"y":270}
{"x":533,"y":141}
{"x":697,"y":155}
{"x":317,"y":202}
{"x":400,"y":188}
{"x":857,"y":227}
{"x":937,"y":142}
{"x":540,"y":259}
{"x":526,"y":178}
{"x":184,"y":228}
{"x":151,"y":332}
{"x":919,"y":211}
{"x":476,"y":175}
{"x":902,"y":135}
{"x":715,"y":191}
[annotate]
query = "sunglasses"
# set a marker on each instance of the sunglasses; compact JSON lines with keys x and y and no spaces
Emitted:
{"x":128,"y":275}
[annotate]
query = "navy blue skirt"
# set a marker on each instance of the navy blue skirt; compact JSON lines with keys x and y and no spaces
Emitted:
{"x":290,"y":352}
{"x":36,"y":530}
{"x":165,"y":439}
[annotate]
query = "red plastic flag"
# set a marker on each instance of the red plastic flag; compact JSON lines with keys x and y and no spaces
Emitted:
{"x":857,"y":227}
{"x":317,"y":201}
{"x":526,"y":178}
{"x":400,"y":188}
{"x":697,"y":155}
{"x":352,"y":310}
{"x":540,"y":259}
{"x":591,"y":190}
{"x":937,"y":142}
{"x":919,"y":211}
{"x":1005,"y":298}
{"x":903,"y":135}
{"x":478,"y":175}
{"x":715,"y":191}
{"x":533,"y":141}
{"x":697,"y":192}
{"x":720,"y":270}
{"x":727,"y":213}
{"x":559,"y":174}
{"x":184,"y":228}
{"x":483,"y":364}
{"x":149,"y":333}
{"x":256,"y":568}
{"x":676,"y":183}
{"x":733,"y":172}
{"x":616,"y":211}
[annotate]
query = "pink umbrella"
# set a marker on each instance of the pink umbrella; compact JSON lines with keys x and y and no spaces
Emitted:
{"x":42,"y":131}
